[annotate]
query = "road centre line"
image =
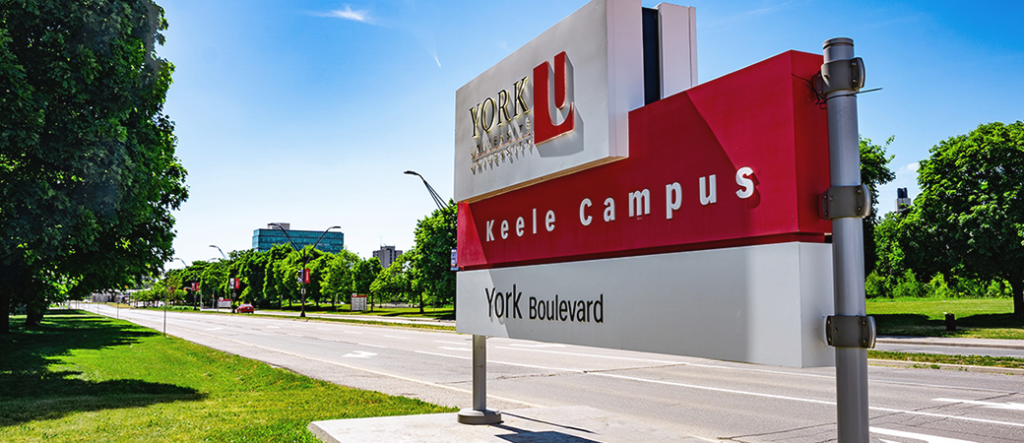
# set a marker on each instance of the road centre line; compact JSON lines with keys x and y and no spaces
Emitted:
{"x":395,"y":336}
{"x":372,"y":346}
{"x":926,"y":438}
{"x":449,"y":348}
{"x":384,"y":374}
{"x":805,"y":400}
{"x":767,"y":371}
{"x":452,"y":342}
{"x":353,"y":332}
{"x":668,"y":362}
{"x":735,"y":391}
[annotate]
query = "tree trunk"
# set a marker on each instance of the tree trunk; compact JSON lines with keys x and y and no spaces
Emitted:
{"x":1017,"y":284}
{"x":5,"y":312}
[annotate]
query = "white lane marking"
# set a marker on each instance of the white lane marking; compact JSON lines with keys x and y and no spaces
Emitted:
{"x":214,"y":329}
{"x":395,"y":336}
{"x":353,"y":332}
{"x":323,"y":329}
{"x":927,"y":438}
{"x":987,"y":404}
{"x":452,"y":342}
{"x":359,"y":354}
{"x":372,"y":346}
{"x":449,"y":348}
{"x":667,"y":362}
{"x":273,"y":327}
{"x":753,"y":394}
{"x":578,"y":371}
{"x":296,"y":335}
{"x":371,"y":371}
{"x":542,"y":345}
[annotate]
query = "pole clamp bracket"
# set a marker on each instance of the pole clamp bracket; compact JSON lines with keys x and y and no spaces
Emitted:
{"x":841,"y":75}
{"x":846,"y":201}
{"x":850,"y":331}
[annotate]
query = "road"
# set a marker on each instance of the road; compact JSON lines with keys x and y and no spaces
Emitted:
{"x":708,"y":399}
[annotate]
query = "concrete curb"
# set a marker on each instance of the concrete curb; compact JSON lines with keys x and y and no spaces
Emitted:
{"x":927,"y":365}
{"x":955,"y":342}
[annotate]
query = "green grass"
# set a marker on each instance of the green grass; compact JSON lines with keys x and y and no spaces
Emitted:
{"x":975,"y":318}
{"x":87,"y":378}
{"x":969,"y":360}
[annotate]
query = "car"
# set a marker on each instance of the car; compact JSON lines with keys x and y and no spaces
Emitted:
{"x":245,"y":308}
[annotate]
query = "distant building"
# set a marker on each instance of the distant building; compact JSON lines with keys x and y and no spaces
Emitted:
{"x":387,"y":255}
{"x":902,"y":201}
{"x":264,"y":239}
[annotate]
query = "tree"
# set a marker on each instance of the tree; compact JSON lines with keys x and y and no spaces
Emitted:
{"x":88,"y":177}
{"x":394,"y":283}
{"x":338,"y":281}
{"x":874,"y":172}
{"x":364,"y":272}
{"x":969,"y":217}
{"x":435,"y":238}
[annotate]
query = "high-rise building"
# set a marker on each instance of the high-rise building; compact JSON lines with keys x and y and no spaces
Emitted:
{"x":387,"y":255}
{"x":264,"y":239}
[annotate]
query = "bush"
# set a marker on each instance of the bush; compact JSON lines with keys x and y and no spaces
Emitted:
{"x":875,"y":286}
{"x":908,"y":286}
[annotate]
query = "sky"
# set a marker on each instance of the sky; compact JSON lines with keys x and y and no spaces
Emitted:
{"x":308,"y":112}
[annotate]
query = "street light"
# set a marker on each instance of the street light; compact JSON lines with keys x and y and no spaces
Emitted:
{"x":217,"y":303}
{"x":305,"y":261}
{"x":433,"y":194}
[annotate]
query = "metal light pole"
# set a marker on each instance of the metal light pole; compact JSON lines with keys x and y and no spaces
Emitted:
{"x":305,"y":262}
{"x":479,"y":414}
{"x":216,"y":304}
{"x":851,"y":331}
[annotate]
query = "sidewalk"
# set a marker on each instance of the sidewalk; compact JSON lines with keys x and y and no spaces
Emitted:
{"x":377,"y":318}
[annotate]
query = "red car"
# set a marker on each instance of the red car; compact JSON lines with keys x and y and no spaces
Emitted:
{"x":245,"y":308}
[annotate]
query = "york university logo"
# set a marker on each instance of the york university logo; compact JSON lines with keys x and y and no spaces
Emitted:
{"x":515,"y":121}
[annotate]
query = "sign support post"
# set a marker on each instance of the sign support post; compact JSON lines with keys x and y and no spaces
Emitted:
{"x":842,"y":77}
{"x":479,"y":415}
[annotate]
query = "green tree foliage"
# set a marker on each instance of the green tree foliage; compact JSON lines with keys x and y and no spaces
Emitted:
{"x":364,"y":272}
{"x":969,"y":218}
{"x":874,"y":172}
{"x":435,"y":238}
{"x":338,"y":282}
{"x":88,"y":177}
{"x":394,"y":283}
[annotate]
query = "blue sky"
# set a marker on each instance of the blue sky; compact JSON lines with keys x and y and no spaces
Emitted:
{"x":308,"y":112}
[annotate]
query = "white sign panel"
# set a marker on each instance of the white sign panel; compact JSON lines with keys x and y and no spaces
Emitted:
{"x":526,"y":118}
{"x":760,"y":304}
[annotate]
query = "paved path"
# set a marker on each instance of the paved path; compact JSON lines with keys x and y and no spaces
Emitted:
{"x":705,"y":399}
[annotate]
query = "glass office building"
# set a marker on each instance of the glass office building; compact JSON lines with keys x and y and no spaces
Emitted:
{"x":264,"y":239}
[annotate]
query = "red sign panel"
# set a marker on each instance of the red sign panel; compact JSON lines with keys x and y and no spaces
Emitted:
{"x":305,"y":276}
{"x":739,"y":160}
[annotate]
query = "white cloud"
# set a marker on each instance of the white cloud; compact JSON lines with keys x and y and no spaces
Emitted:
{"x":913,"y":166}
{"x":349,"y":14}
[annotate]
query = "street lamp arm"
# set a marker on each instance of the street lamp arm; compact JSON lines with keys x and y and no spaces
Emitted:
{"x":221,"y":252}
{"x":433,"y":194}
{"x":290,"y":242}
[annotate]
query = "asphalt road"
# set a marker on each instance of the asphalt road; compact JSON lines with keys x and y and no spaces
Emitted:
{"x":707,"y":399}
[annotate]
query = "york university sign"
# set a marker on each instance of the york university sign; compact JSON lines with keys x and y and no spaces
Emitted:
{"x":688,"y":225}
{"x":557,"y":104}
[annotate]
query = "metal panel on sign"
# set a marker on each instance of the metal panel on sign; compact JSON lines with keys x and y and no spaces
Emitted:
{"x":758,"y":304}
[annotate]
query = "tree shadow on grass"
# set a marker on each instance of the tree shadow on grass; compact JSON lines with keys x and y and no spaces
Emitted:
{"x":31,"y":390}
{"x":919,"y":325}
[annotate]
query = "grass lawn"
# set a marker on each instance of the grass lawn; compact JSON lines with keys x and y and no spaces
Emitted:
{"x":82,"y":377}
{"x":923,"y":317}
